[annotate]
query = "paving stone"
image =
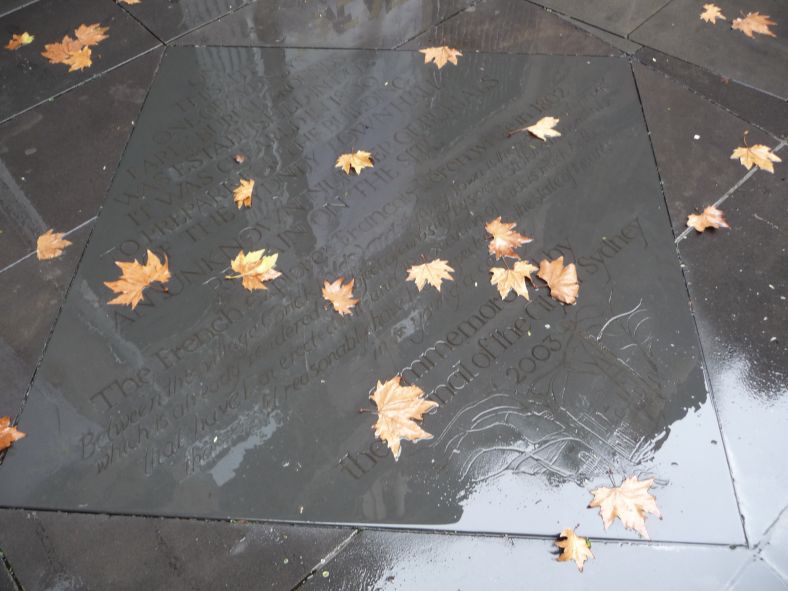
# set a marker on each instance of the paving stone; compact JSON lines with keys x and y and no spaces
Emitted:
{"x":355,"y":23}
{"x":390,"y":561}
{"x":738,"y":287}
{"x":513,"y":27}
{"x":27,"y":78}
{"x":694,"y":172}
{"x":11,"y":5}
{"x":757,"y":575}
{"x":6,"y":581}
{"x":621,"y":43}
{"x":80,"y":551}
{"x":758,"y":62}
{"x":57,"y":160}
{"x":617,"y":16}
{"x":764,"y":110}
{"x":533,"y":397}
{"x":774,"y":550}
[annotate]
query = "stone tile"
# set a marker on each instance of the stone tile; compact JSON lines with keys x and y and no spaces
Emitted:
{"x":209,"y":400}
{"x":694,"y":172}
{"x":617,"y":16}
{"x":80,"y":551}
{"x":31,"y":293}
{"x":758,"y":62}
{"x":512,"y":27}
{"x":11,"y":5}
{"x":738,"y":287}
{"x":57,"y":160}
{"x":390,"y":561}
{"x":774,"y":550}
{"x":757,"y":575}
{"x":621,"y":43}
{"x":763,"y":110}
{"x":355,"y":23}
{"x":6,"y":580}
{"x":27,"y":78}
{"x":171,"y":19}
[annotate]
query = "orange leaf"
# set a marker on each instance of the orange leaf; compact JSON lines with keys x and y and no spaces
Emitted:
{"x":440,"y":55}
{"x":358,"y":161}
{"x":242,"y":194}
{"x":60,"y":53}
{"x":710,"y":218}
{"x":754,"y":22}
{"x":574,"y":547}
{"x":135,"y":277}
{"x":79,"y":60}
{"x":254,"y":269}
{"x":50,"y":245}
{"x":504,"y":239}
{"x":433,"y":273}
{"x":89,"y":35}
{"x":711,"y":13}
{"x":76,"y":53}
{"x":18,"y":41}
{"x":512,"y":279}
{"x":399,"y":407}
{"x":8,"y":434}
{"x":340,"y":296}
{"x":629,"y":502}
{"x":561,"y":280}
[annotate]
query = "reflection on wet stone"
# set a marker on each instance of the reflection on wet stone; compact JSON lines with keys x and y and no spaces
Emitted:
{"x":211,"y":400}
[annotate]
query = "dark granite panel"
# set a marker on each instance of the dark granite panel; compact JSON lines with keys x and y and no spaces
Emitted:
{"x":617,"y":16}
{"x":27,"y":78}
{"x":74,"y":551}
{"x":381,"y":24}
{"x":758,"y":62}
{"x":12,"y":5}
{"x":213,"y":401}
{"x":57,"y":160}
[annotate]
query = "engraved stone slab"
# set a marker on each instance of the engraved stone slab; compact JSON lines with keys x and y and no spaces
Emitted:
{"x":209,"y":400}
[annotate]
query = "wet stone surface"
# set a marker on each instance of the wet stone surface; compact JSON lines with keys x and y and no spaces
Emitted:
{"x":209,"y":400}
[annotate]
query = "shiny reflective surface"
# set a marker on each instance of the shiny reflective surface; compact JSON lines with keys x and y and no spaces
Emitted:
{"x":212,"y":401}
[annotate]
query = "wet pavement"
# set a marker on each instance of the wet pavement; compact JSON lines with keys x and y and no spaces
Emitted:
{"x":214,"y":435}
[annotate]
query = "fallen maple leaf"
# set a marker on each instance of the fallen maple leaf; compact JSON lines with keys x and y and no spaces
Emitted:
{"x":574,"y":547}
{"x":340,"y":296}
{"x":629,"y":502}
{"x":399,"y":407}
{"x":561,"y":280}
{"x":18,"y":40}
{"x":543,"y":128}
{"x":433,"y":273}
{"x":60,"y":53}
{"x":710,"y":14}
{"x":90,"y":35}
{"x":132,"y":1}
{"x":512,"y":279}
{"x":76,"y":53}
{"x":8,"y":434}
{"x":710,"y":218}
{"x":50,"y":245}
{"x":135,"y":277}
{"x":239,"y":158}
{"x":759,"y":155}
{"x":79,"y":60}
{"x":504,"y":238}
{"x":358,"y":161}
{"x":254,"y":269}
{"x":440,"y":55}
{"x":242,"y":194}
{"x":754,"y":22}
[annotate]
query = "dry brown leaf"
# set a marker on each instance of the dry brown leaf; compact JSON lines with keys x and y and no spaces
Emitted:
{"x":50,"y":245}
{"x":8,"y":434}
{"x":399,"y":407}
{"x":132,"y":1}
{"x":76,"y":53}
{"x":561,"y":280}
{"x":254,"y":269}
{"x":754,"y":22}
{"x":710,"y":218}
{"x":60,"y":53}
{"x":710,"y":14}
{"x":630,"y":502}
{"x":433,"y":273}
{"x":512,"y":279}
{"x":759,"y":155}
{"x":358,"y":161}
{"x":89,"y":35}
{"x":79,"y":60}
{"x":242,"y":194}
{"x":504,"y":239}
{"x":340,"y":296}
{"x":574,"y":547}
{"x":440,"y":55}
{"x":135,"y":277}
{"x":18,"y":40}
{"x":239,"y":158}
{"x":543,"y":128}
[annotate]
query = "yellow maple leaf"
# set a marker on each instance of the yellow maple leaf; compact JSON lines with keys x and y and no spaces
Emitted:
{"x":135,"y":277}
{"x":340,"y":296}
{"x":573,"y":547}
{"x":254,"y":269}
{"x":512,"y":279}
{"x":710,"y":218}
{"x":561,"y":280}
{"x":242,"y":194}
{"x":630,"y":502}
{"x":759,"y":155}
{"x":399,"y":407}
{"x":710,"y":14}
{"x":433,"y":273}
{"x":358,"y":161}
{"x":8,"y":433}
{"x":18,"y":40}
{"x":504,"y":239}
{"x":754,"y":22}
{"x":440,"y":55}
{"x":50,"y":245}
